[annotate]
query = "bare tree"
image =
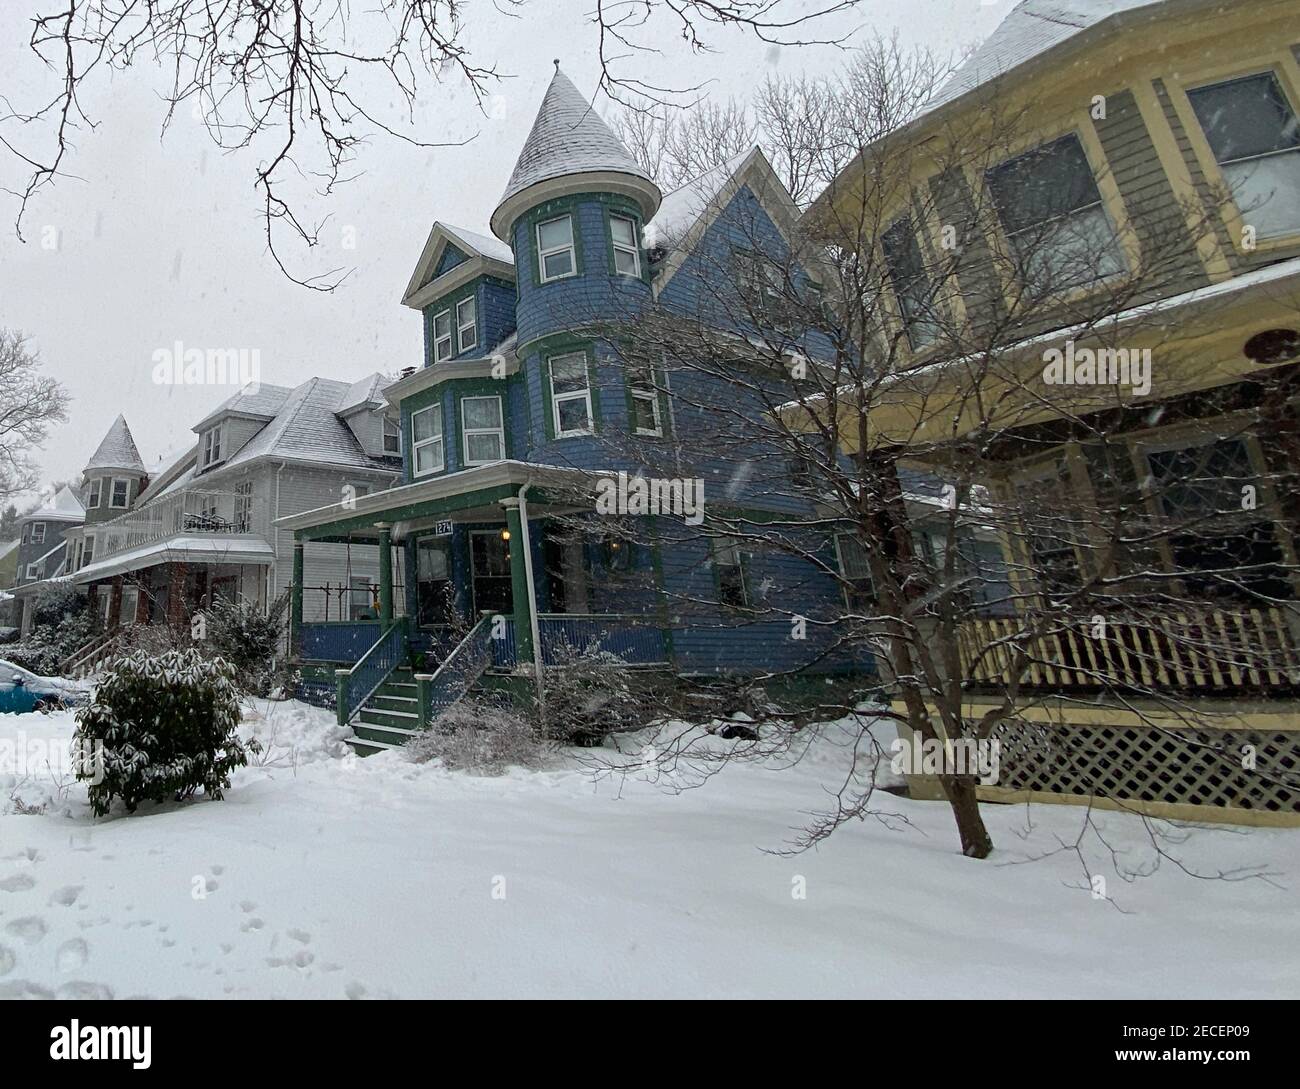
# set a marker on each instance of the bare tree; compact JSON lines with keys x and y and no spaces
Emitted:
{"x":29,"y":403}
{"x":898,"y":402}
{"x":300,"y":85}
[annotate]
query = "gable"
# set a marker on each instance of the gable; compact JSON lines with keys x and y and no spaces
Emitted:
{"x":451,"y":257}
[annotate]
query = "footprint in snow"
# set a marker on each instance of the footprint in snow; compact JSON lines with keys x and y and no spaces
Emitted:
{"x":27,"y":854}
{"x":7,"y":960}
{"x":252,"y":924}
{"x":19,"y":882}
{"x":355,"y":991}
{"x":72,"y":955}
{"x":246,"y":906}
{"x":30,"y":929}
{"x":218,"y":870}
{"x":300,"y":959}
{"x":25,"y":988}
{"x":299,"y":936}
{"x":80,"y":989}
{"x":66,"y":896}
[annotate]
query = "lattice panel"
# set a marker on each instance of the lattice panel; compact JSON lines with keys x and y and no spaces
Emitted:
{"x":1126,"y":763}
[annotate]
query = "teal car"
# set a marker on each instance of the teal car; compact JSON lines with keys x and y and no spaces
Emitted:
{"x":22,"y":691}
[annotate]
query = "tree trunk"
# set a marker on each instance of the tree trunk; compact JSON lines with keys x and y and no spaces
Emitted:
{"x":975,"y":839}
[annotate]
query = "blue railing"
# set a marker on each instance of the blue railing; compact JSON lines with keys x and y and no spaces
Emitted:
{"x":504,"y":655}
{"x":458,"y":672}
{"x":358,"y":684}
{"x":339,"y":641}
{"x":632,"y":638}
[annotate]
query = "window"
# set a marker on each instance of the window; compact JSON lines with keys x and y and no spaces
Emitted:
{"x":627,"y":254}
{"x":130,"y":605}
{"x":426,"y":447}
{"x":729,"y":563}
{"x":910,"y":281}
{"x":88,"y":553}
{"x":860,"y":594}
{"x":645,"y":401}
{"x":121,"y":493}
{"x":760,"y":280}
{"x":211,"y":446}
{"x":38,"y":533}
{"x":555,"y":255}
{"x":27,"y":533}
{"x":1049,"y":203}
{"x":570,"y":395}
{"x":243,"y":506}
{"x":466,"y":324}
{"x":77,"y":548}
{"x":490,"y":569}
{"x":485,"y":437}
{"x":1252,"y":130}
{"x":92,"y":496}
{"x":442,"y":336}
{"x":34,"y":570}
{"x":392,"y":437}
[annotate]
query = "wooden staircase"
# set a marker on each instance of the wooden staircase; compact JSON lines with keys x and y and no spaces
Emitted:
{"x":390,"y":717}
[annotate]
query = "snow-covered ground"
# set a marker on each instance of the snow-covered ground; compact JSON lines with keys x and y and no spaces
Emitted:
{"x":322,"y":875}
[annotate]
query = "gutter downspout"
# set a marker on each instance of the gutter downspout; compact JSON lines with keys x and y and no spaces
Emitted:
{"x":527,"y":545}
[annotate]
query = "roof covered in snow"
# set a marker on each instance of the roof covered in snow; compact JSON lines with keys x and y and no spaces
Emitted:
{"x":308,"y":428}
{"x":63,"y":505}
{"x":688,"y":202}
{"x":472,"y":242}
{"x":256,"y":399}
{"x":363,"y":393}
{"x":1030,"y":29}
{"x":117,"y":450}
{"x":568,"y":137}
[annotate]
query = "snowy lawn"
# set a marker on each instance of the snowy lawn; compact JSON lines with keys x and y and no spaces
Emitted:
{"x":324,"y":876}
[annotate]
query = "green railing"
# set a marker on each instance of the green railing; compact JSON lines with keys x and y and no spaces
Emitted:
{"x":358,"y":684}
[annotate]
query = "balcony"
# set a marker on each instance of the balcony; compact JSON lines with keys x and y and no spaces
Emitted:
{"x":192,"y":512}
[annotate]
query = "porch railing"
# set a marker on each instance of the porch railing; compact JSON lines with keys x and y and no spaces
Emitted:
{"x":1215,"y":651}
{"x":193,"y":511}
{"x":458,"y":672}
{"x":337,"y":641}
{"x":358,"y":684}
{"x":634,"y":639}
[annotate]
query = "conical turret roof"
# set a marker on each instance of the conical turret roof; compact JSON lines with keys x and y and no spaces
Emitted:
{"x":569,"y":138}
{"x":118,"y":450}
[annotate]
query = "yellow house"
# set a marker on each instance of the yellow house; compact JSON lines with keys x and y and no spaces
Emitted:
{"x":1166,"y":138}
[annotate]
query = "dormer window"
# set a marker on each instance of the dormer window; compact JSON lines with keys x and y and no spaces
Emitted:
{"x":442,"y":336}
{"x":38,"y":533}
{"x":466,"y":324}
{"x":121,"y":493}
{"x":211,"y":446}
{"x":392,"y":437}
{"x":627,"y":253}
{"x":555,"y":254}
{"x":92,"y":494}
{"x":1253,"y":132}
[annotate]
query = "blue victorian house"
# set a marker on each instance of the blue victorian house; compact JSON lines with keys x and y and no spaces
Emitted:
{"x":520,"y":420}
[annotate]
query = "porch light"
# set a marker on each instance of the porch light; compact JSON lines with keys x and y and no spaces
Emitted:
{"x":505,"y":535}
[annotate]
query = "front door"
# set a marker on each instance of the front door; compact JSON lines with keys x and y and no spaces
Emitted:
{"x":490,"y":567}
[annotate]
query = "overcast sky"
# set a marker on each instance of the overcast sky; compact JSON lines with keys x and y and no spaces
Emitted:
{"x":161,"y":240}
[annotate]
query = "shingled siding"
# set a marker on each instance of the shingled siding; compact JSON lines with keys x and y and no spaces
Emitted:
{"x":1166,"y":244}
{"x":596,"y":293}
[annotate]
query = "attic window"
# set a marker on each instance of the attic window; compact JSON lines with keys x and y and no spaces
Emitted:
{"x":212,"y":446}
{"x":121,"y":492}
{"x":555,"y":255}
{"x":392,"y":437}
{"x":442,"y":336}
{"x":466,"y":324}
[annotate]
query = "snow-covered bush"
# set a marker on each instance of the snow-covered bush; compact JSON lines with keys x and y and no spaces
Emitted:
{"x":249,"y":639}
{"x":479,"y":736}
{"x":591,"y":694}
{"x":63,"y":621}
{"x":167,"y":724}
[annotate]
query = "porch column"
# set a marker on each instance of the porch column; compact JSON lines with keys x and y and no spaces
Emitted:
{"x":177,"y":609}
{"x":115,"y":602}
{"x":520,"y":598}
{"x":295,"y":599}
{"x":385,"y":573}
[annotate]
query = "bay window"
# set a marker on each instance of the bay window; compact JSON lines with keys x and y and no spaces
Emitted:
{"x":427,"y":453}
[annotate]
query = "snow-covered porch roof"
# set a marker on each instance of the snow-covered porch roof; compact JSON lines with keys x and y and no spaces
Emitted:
{"x":184,"y":549}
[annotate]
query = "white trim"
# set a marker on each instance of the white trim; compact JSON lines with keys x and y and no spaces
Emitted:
{"x":644,"y":192}
{"x":93,"y":492}
{"x":34,"y":538}
{"x":112,"y":493}
{"x":570,"y":247}
{"x":32,"y":569}
{"x":210,"y":447}
{"x":391,"y":429}
{"x":439,"y":438}
{"x":642,"y":393}
{"x":467,"y":431}
{"x":461,"y":343}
